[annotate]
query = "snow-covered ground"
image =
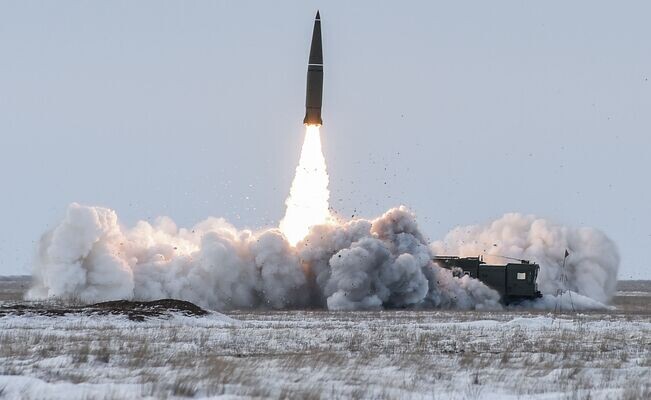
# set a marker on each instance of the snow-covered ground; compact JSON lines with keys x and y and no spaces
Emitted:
{"x":319,"y":354}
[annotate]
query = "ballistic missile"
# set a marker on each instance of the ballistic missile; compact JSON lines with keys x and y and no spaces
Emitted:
{"x":314,"y":91}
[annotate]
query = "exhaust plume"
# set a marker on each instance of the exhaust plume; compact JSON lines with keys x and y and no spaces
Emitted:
{"x":307,"y":204}
{"x":311,"y":260}
{"x":354,"y":265}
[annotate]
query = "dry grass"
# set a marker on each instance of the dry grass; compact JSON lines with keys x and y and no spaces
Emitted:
{"x":285,"y":355}
{"x":317,"y":354}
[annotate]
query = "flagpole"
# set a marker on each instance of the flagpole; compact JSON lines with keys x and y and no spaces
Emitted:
{"x":567,"y":253}
{"x":563,"y":288}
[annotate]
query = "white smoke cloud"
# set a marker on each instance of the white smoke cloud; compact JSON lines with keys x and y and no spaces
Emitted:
{"x":81,"y":256}
{"x":360,"y":264}
{"x":591,"y":267}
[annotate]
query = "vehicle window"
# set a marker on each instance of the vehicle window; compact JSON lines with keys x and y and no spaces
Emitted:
{"x":521,"y":276}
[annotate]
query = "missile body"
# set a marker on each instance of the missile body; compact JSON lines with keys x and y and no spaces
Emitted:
{"x":314,"y":91}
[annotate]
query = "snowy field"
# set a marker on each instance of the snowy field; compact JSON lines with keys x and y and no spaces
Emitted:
{"x":320,"y":354}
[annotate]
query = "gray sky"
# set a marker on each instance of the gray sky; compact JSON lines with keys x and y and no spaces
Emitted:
{"x":461,"y":110}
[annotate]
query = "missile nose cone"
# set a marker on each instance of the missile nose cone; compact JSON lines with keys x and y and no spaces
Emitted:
{"x":318,"y":17}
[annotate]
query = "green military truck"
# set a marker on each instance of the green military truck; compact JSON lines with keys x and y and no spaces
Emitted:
{"x":515,"y":281}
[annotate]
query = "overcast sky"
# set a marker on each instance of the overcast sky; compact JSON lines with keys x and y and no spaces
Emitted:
{"x":461,"y":110}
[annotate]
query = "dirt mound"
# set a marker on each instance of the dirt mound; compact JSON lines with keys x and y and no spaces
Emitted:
{"x":134,"y":310}
{"x":149,"y":308}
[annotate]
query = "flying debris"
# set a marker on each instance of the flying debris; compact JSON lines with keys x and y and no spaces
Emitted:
{"x":314,"y":92}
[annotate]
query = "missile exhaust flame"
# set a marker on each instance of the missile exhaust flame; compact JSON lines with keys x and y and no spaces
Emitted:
{"x":307,"y":204}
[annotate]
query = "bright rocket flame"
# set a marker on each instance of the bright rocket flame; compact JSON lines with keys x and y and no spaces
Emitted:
{"x":307,"y":204}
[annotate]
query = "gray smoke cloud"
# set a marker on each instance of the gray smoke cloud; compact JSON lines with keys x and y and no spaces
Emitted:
{"x":355,"y":265}
{"x":591,"y":267}
{"x":361,"y":264}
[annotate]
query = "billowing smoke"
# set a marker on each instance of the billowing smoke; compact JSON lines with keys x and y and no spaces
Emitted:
{"x":590,"y":269}
{"x":360,"y":264}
